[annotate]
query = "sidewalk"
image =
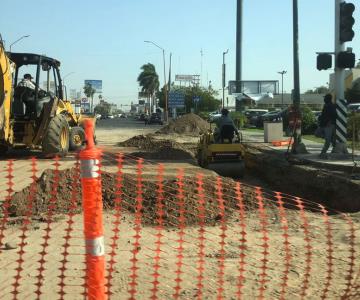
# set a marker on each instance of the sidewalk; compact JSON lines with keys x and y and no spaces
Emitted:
{"x":347,"y":161}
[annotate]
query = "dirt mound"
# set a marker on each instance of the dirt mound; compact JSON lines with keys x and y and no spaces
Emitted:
{"x":187,"y":124}
{"x":156,"y":149}
{"x":69,"y":198}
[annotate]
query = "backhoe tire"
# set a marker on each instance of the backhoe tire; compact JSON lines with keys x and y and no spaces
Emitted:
{"x":3,"y":149}
{"x":57,"y":136}
{"x":77,"y":138}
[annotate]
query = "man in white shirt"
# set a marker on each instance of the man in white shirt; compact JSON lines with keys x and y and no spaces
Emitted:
{"x":26,"y":82}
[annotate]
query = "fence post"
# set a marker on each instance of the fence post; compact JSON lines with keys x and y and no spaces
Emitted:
{"x":93,"y":218}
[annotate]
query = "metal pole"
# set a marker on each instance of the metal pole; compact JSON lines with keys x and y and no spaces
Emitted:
{"x":165,"y":90}
{"x":341,"y":116}
{"x":238,"y":39}
{"x":282,"y":87}
{"x":24,"y":36}
{"x":296,"y":99}
{"x":63,"y":82}
{"x":282,"y":90}
{"x":224,"y":78}
{"x":165,"y":85}
{"x":298,"y":146}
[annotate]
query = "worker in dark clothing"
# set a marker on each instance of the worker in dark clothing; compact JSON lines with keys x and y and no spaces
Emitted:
{"x":224,"y":121}
{"x":328,"y":122}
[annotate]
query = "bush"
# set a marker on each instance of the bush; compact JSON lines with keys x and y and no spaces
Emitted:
{"x":353,"y":126}
{"x":309,"y":122}
{"x":204,"y":115}
{"x":239,"y":119}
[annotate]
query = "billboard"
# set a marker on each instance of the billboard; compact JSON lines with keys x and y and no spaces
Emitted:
{"x":96,"y":84}
{"x":250,"y":87}
{"x":184,"y":77}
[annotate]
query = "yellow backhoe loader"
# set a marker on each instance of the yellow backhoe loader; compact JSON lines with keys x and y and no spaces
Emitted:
{"x":34,"y":113}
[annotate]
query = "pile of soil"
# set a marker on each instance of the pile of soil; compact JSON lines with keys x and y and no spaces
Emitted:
{"x":151,"y":148}
{"x":68,"y":198}
{"x":190,"y":124}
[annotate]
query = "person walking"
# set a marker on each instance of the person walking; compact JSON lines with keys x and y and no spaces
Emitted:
{"x":328,"y":122}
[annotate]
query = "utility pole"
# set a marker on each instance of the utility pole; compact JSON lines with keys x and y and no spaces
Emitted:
{"x":201,"y":65}
{"x":298,"y":146}
{"x":282,"y":87}
{"x":224,"y":78}
{"x":341,"y":115}
{"x":165,"y":83}
{"x":238,"y":39}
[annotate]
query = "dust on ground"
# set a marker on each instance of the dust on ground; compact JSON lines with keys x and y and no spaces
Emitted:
{"x":190,"y":124}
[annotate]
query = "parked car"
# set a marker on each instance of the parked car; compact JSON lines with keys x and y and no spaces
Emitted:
{"x":155,"y":118}
{"x":214,"y":115}
{"x":353,"y":107}
{"x":142,"y":117}
{"x":271,"y":116}
{"x":252,"y":115}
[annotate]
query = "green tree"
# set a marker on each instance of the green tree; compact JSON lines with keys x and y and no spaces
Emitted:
{"x":352,"y":94}
{"x":149,"y":81}
{"x":318,"y":90}
{"x":89,"y":91}
{"x":102,"y":109}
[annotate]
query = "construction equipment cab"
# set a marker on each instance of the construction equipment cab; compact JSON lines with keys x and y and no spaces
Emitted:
{"x":33,"y":111}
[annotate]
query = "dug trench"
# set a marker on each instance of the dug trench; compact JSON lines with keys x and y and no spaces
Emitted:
{"x":332,"y":188}
{"x":264,"y":168}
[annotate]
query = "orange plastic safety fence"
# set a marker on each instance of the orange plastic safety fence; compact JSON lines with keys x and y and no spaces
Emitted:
{"x":169,"y":232}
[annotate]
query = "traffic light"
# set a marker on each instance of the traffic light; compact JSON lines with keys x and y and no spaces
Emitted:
{"x":346,"y":22}
{"x":345,"y":60}
{"x":323,"y":61}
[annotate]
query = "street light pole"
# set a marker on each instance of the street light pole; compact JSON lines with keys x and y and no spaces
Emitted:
{"x":224,"y":78}
{"x":165,"y":84}
{"x":68,"y":74}
{"x":19,"y":39}
{"x":282,"y":87}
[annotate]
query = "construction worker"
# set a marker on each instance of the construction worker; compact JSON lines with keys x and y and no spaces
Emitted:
{"x":27,"y":82}
{"x":225,"y":127}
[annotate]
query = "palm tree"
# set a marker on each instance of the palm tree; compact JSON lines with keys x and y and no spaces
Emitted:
{"x":149,"y":81}
{"x":89,"y":91}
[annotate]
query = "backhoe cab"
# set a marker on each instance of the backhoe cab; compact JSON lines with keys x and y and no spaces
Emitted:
{"x":33,"y":112}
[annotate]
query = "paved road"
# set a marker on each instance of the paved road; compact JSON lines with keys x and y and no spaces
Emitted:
{"x":111,"y":131}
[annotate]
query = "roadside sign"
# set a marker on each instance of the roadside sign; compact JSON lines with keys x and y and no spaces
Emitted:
{"x":176,"y":99}
{"x":84,"y":100}
{"x":196,"y":99}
